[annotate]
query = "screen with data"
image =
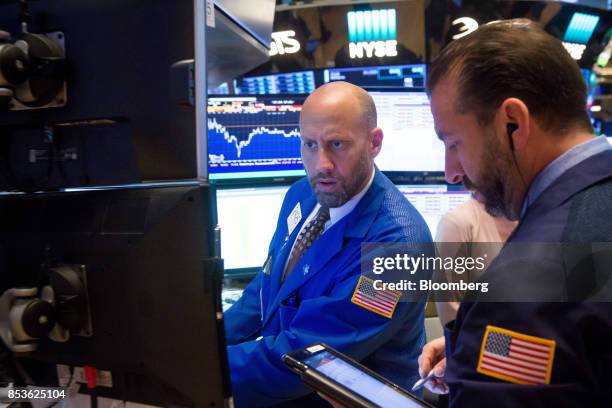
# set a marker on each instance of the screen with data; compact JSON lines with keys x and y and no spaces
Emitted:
{"x":302,"y":82}
{"x":433,"y":201}
{"x":360,"y":382}
{"x":247,"y":217}
{"x":392,"y":76}
{"x":410,"y":143}
{"x":254,"y":137}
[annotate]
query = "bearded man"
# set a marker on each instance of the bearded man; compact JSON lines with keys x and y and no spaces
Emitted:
{"x":305,"y":291}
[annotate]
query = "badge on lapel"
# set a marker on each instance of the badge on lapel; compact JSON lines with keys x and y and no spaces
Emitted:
{"x":516,"y":357}
{"x":294,"y":218}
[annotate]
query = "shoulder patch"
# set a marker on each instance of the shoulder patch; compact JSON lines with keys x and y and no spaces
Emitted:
{"x":382,"y":302}
{"x":516,"y":357}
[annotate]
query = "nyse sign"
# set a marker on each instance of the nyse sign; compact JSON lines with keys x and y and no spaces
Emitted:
{"x":283,"y":42}
{"x":372,"y":33}
{"x":369,"y":49}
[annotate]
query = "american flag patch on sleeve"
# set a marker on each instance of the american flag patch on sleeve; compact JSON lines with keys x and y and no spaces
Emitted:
{"x":516,"y":357}
{"x":382,"y":302}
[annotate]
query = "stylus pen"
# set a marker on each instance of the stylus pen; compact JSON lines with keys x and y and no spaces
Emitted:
{"x":419,"y":384}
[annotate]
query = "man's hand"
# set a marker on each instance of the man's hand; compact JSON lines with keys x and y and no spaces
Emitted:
{"x":433,"y":358}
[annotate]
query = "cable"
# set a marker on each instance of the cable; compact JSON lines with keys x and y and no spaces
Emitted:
{"x":510,"y":129}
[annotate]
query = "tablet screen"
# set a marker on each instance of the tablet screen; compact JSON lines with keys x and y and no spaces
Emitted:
{"x":358,"y":381}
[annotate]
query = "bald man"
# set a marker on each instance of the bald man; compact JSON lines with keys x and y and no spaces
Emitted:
{"x":303,"y":293}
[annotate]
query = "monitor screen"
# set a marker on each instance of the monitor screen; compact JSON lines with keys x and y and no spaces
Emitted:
{"x":122,"y":280}
{"x":247,"y":217}
{"x":410,"y":143}
{"x":392,"y":76}
{"x":302,"y":82}
{"x":254,"y":137}
{"x":433,"y":201}
{"x":360,"y":382}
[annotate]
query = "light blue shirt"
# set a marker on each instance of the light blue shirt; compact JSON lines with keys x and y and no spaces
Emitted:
{"x":560,"y":165}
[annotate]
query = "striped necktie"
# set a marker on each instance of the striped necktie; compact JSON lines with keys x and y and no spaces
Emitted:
{"x":307,"y":236}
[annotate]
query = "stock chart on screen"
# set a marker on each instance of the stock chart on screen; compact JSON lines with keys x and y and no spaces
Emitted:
{"x":254,"y":137}
{"x":410,"y":143}
{"x":391,"y":76}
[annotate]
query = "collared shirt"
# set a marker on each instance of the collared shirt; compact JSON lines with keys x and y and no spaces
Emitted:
{"x":560,"y":165}
{"x":337,"y":213}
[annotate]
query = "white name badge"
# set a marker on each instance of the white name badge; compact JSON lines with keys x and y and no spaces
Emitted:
{"x":294,"y":218}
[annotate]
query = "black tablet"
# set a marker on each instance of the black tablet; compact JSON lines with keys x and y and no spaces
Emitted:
{"x":346,"y":381}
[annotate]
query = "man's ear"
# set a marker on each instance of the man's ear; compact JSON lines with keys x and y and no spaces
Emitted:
{"x":376,"y":138}
{"x":513,"y":119}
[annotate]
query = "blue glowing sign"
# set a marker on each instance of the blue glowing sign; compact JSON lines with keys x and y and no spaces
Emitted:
{"x":580,"y":28}
{"x":372,"y":25}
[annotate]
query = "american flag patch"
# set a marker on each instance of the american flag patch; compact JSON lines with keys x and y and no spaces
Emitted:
{"x":382,"y":302}
{"x":516,"y":357}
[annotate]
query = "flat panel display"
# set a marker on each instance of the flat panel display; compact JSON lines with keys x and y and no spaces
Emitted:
{"x":410,"y":142}
{"x":254,"y":137}
{"x":302,"y":82}
{"x":390,"y":76}
{"x":247,"y":217}
{"x":433,"y":201}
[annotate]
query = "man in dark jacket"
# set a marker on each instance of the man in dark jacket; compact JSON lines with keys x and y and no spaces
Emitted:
{"x":509,"y":104}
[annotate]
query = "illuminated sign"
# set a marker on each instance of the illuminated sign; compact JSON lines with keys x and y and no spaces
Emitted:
{"x":372,"y":33}
{"x":578,"y":33}
{"x":283,"y":42}
{"x":466,"y":25}
{"x":575,"y":50}
{"x":580,"y":28}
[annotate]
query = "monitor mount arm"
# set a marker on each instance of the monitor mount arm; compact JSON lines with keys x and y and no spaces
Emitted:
{"x":61,"y":310}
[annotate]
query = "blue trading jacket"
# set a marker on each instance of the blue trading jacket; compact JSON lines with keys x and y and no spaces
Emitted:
{"x":314,"y":303}
{"x":574,"y":212}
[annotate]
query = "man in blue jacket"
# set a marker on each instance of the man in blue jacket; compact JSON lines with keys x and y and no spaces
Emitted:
{"x":509,"y":104}
{"x":305,"y":291}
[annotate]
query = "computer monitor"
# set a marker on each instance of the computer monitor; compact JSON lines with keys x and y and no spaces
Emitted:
{"x":410,"y":143}
{"x":433,"y":201}
{"x":391,"y":76}
{"x":247,"y":217}
{"x":302,"y":82}
{"x":135,"y":282}
{"x":254,"y":137}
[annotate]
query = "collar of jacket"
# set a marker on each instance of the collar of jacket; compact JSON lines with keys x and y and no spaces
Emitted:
{"x":583,"y":175}
{"x":362,"y":217}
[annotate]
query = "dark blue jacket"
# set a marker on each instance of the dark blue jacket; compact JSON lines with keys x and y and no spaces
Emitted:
{"x":558,"y":228}
{"x":314,"y":303}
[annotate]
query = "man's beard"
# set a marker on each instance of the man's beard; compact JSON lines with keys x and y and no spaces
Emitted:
{"x":349,"y":186}
{"x":495,"y":181}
